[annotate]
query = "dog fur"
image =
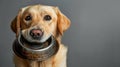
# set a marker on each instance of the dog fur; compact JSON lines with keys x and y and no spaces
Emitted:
{"x":56,"y":26}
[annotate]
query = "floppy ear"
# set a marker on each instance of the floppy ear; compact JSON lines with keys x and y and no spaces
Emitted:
{"x":15,"y":24}
{"x":63,"y":22}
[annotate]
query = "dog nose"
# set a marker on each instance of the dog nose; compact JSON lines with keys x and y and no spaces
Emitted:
{"x":36,"y":33}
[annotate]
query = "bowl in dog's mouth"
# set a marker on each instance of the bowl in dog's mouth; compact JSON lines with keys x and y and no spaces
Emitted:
{"x":34,"y":50}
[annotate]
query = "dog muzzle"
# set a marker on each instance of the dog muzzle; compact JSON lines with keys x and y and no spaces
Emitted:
{"x":29,"y":51}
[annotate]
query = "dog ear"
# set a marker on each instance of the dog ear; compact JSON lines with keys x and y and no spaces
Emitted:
{"x":15,"y":24}
{"x":63,"y":22}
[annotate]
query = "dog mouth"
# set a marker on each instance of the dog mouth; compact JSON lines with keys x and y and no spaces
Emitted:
{"x":35,"y":45}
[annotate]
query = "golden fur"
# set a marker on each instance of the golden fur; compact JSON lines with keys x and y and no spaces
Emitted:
{"x":56,"y":27}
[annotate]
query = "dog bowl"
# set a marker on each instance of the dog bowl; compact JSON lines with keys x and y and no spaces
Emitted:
{"x":26,"y":51}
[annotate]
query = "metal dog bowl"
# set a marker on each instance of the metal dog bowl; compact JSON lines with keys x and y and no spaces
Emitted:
{"x":39,"y":54}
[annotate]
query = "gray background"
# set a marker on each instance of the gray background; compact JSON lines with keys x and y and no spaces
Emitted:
{"x":93,"y":38}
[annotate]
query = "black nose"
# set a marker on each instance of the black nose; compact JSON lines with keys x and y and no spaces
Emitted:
{"x":36,"y":33}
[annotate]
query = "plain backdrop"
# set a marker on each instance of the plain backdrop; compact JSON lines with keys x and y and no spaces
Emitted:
{"x":93,"y":38}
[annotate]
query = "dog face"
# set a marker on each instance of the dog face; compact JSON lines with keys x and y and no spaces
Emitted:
{"x":38,"y":22}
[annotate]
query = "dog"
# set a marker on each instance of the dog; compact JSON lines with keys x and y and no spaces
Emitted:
{"x":38,"y":30}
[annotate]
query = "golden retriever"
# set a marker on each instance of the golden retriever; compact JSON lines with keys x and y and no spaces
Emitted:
{"x":37,"y":24}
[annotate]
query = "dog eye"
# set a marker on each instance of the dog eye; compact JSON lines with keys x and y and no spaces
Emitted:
{"x":28,"y":18}
{"x":47,"y":17}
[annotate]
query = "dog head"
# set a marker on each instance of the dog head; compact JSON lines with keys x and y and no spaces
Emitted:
{"x":38,"y":22}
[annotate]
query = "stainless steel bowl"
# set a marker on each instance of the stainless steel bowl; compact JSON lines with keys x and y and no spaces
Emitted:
{"x":41,"y":54}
